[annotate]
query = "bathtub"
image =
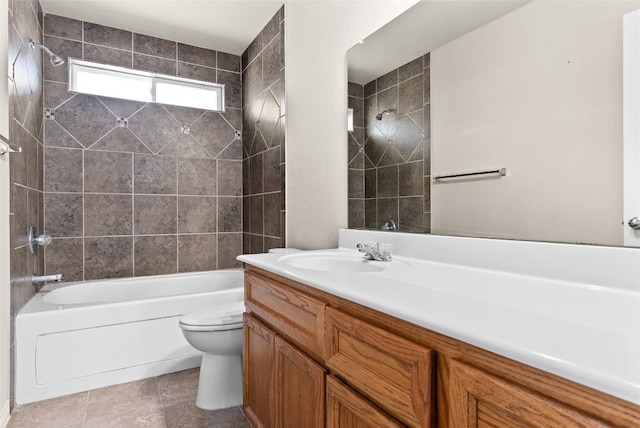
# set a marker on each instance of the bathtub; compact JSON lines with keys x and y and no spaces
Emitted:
{"x":78,"y":336}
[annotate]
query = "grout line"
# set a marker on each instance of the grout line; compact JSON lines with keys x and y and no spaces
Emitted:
{"x":86,"y":410}
{"x":164,"y":411}
{"x":177,"y":166}
{"x":188,"y":195}
{"x":217,"y":213}
{"x":133,"y":216}
{"x":84,"y":258}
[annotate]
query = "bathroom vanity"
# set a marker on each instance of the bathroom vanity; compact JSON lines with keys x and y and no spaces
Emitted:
{"x":321,"y":349}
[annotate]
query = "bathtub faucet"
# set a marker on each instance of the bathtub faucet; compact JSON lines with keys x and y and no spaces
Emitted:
{"x":39,"y":279}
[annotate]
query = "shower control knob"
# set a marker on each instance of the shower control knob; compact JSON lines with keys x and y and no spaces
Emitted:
{"x":35,"y":239}
{"x":634,"y":223}
{"x":42,"y":240}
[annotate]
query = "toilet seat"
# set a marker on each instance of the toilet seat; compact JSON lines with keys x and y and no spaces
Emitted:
{"x":227,"y":316}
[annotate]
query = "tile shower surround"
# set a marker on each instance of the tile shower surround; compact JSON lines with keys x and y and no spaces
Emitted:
{"x":25,"y":129}
{"x":390,"y":159}
{"x":131,"y":188}
{"x":263,"y":117}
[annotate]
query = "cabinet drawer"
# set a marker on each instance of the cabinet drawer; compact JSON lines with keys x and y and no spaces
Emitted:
{"x":347,"y":409}
{"x":394,"y":373}
{"x":292,"y":314}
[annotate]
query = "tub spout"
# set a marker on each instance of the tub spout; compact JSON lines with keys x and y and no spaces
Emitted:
{"x":39,"y":279}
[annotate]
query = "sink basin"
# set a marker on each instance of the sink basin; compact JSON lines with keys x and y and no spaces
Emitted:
{"x":334,"y":262}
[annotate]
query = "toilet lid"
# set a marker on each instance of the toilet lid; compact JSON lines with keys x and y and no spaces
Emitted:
{"x":227,"y":316}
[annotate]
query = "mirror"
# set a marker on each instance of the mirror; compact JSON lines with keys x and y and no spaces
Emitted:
{"x":528,"y":95}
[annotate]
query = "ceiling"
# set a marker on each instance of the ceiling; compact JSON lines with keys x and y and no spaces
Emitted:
{"x":222,"y":25}
{"x":424,"y":27}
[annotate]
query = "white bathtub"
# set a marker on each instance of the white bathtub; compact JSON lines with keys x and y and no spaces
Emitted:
{"x":83,"y":335}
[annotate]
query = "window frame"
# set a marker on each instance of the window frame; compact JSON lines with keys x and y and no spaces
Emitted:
{"x":153,"y":78}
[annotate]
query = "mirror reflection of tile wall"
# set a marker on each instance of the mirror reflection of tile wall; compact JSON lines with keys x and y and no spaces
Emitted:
{"x":389,"y":153}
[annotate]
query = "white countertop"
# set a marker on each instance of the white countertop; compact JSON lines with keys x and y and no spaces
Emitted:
{"x":583,"y":332}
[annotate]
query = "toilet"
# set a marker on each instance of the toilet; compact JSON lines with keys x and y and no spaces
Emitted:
{"x":217,"y":332}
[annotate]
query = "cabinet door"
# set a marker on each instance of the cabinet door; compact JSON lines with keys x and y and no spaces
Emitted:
{"x":259,"y":379}
{"x":347,"y":409}
{"x":393,"y":372}
{"x":300,"y":390}
{"x":475,"y":398}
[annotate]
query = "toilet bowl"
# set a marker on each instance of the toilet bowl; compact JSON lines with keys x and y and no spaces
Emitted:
{"x":216,"y":331}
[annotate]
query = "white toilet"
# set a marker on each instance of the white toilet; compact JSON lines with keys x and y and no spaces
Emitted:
{"x":217,"y":332}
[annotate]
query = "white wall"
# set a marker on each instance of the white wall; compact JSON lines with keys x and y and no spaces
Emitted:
{"x":539,"y":91}
{"x":631,"y":86}
{"x":318,"y":35}
{"x":4,"y":220}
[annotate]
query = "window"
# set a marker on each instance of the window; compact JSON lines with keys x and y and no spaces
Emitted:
{"x":350,"y":119}
{"x":118,"y":82}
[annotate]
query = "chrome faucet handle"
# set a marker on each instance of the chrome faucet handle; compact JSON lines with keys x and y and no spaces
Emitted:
{"x":367,"y":249}
{"x":389,"y":226}
{"x":375,"y":251}
{"x":35,"y":239}
{"x":367,"y":245}
{"x":42,"y":240}
{"x":384,"y":248}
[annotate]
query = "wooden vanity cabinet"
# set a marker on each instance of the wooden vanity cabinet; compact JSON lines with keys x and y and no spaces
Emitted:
{"x":313,"y":359}
{"x":284,"y":385}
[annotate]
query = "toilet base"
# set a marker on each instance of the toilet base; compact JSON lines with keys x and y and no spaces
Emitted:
{"x":220,"y":382}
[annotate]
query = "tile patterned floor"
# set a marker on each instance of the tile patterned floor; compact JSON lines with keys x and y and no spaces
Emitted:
{"x":166,"y":401}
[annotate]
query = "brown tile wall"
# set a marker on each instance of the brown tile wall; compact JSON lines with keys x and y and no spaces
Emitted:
{"x":397,"y":151}
{"x":356,"y":157}
{"x":135,"y":189}
{"x":25,"y":128}
{"x":263,"y":116}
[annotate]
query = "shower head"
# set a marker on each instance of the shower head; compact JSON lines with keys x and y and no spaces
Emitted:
{"x":55,"y":59}
{"x":386,"y":112}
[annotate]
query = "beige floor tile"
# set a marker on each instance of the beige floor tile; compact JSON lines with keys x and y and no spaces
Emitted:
{"x":143,"y":417}
{"x":187,"y":415}
{"x":180,"y":386}
{"x":67,"y":411}
{"x":119,"y":399}
{"x":165,"y":401}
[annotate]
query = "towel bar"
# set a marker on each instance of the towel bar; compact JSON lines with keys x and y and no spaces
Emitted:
{"x":501,"y":171}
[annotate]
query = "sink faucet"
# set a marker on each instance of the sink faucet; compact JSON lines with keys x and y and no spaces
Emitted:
{"x":39,"y":279}
{"x":380,"y":252}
